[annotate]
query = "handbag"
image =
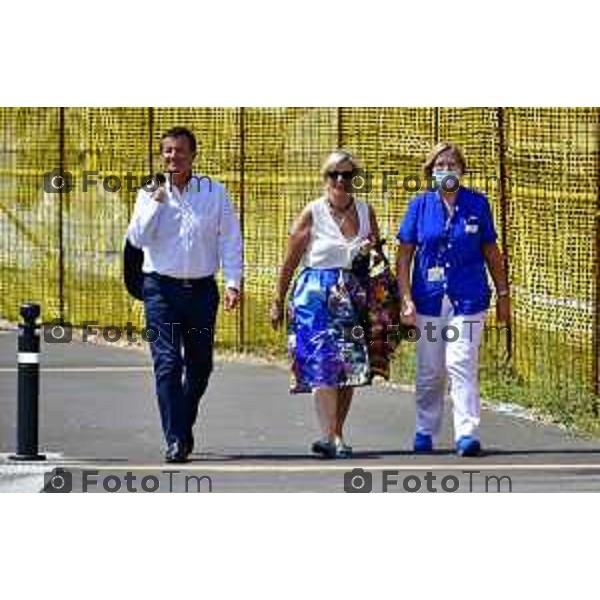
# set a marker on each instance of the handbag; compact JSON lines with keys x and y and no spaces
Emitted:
{"x":133,"y":258}
{"x":383,"y":308}
{"x":133,"y":276}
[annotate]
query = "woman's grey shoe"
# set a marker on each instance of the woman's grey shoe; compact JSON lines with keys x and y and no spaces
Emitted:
{"x":325,"y":448}
{"x":342,"y":450}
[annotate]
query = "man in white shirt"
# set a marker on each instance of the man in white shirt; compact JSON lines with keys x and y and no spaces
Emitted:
{"x":187,"y":229}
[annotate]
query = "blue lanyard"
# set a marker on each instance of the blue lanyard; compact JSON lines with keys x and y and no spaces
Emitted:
{"x":450,"y":210}
{"x":445,"y":237}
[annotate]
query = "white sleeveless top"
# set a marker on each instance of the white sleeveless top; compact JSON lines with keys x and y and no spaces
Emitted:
{"x":328,"y":248}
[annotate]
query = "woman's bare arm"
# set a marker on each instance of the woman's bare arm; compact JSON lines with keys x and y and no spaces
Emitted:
{"x":495,"y":262}
{"x":403,"y":263}
{"x":297,"y":244}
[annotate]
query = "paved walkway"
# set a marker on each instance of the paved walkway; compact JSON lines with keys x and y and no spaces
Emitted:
{"x":98,"y":412}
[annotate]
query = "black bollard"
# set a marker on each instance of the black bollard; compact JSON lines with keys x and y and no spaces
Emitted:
{"x":28,"y":385}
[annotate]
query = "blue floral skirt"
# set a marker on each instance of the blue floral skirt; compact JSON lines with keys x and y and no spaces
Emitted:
{"x":326,"y":338}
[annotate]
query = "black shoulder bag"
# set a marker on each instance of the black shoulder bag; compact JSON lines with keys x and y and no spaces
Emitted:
{"x":133,"y":276}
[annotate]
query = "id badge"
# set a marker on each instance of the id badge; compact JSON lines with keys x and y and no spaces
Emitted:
{"x":435,"y":274}
{"x":472,"y":225}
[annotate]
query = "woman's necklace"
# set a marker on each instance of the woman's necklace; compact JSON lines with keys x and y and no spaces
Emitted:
{"x":336,"y":213}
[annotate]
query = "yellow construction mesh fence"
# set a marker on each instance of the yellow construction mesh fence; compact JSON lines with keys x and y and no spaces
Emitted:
{"x":64,"y":250}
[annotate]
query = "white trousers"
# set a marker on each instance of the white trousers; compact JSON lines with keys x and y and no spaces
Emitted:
{"x":447,"y":360}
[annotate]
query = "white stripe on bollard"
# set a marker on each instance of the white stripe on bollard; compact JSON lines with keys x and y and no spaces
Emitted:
{"x":28,"y":358}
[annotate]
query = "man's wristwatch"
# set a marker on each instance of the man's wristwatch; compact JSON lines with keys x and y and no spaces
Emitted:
{"x":502,"y":293}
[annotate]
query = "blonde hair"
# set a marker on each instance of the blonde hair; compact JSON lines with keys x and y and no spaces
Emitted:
{"x":437,"y":150}
{"x":336,"y":158}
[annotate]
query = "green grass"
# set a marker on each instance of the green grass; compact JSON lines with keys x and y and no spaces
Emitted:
{"x":572,"y":405}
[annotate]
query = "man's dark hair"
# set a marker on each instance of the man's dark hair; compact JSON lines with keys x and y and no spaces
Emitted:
{"x":176,"y":132}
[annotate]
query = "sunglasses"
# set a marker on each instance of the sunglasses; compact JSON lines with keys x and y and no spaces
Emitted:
{"x":345,"y":175}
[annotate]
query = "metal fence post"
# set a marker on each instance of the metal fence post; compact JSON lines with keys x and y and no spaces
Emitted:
{"x":596,"y":332}
{"x":150,"y":139}
{"x":504,"y":216}
{"x":241,"y":336}
{"x":61,"y":200}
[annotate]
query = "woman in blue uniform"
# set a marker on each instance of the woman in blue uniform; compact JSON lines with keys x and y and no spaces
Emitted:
{"x":449,"y":238}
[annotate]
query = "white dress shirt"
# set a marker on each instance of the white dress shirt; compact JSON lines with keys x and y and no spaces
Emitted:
{"x":189,"y":234}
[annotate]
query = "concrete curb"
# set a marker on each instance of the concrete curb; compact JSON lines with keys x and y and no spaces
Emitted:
{"x":25,"y":477}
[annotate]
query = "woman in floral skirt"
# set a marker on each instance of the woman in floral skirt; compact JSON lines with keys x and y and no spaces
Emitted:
{"x":328,"y":306}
